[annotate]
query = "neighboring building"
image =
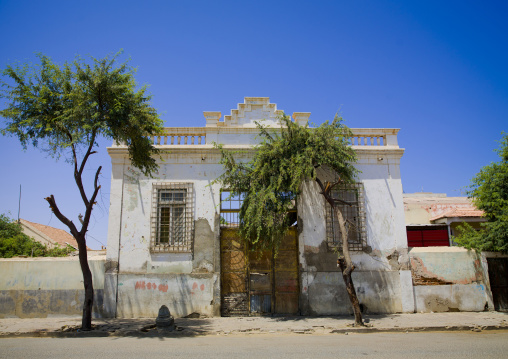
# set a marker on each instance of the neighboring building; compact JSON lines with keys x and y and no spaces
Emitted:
{"x":445,"y":277}
{"x":432,"y":218}
{"x":172,"y":238}
{"x":49,"y":236}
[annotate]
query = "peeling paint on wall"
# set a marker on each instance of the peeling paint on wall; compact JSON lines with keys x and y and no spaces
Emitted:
{"x":422,"y":276}
{"x":203,"y":247}
{"x":446,"y":266}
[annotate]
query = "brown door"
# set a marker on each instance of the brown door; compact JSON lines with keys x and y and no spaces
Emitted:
{"x":234,"y":296}
{"x":258,"y":283}
{"x":498,"y":277}
{"x":286,"y":286}
{"x":260,"y":274}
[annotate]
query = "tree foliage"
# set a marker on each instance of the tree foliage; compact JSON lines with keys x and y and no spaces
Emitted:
{"x":272,"y":180}
{"x":13,"y":242}
{"x":64,"y":110}
{"x":70,"y":106}
{"x":489,"y":192}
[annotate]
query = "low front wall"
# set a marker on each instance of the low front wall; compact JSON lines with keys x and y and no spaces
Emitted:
{"x":449,"y":279}
{"x":42,"y":287}
{"x":451,"y":298}
{"x":141,"y":295}
{"x":324,"y":293}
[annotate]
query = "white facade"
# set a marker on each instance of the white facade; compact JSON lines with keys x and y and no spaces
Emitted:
{"x":138,"y":281}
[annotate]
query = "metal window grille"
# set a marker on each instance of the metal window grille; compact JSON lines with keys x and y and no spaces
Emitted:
{"x":230,"y":209}
{"x":354,"y":216}
{"x":172,"y":223}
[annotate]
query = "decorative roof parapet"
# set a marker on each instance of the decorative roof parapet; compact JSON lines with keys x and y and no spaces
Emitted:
{"x":301,"y":118}
{"x":239,"y":130}
{"x":212,"y":118}
{"x":252,"y":110}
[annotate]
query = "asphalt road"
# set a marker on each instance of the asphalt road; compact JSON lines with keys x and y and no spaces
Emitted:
{"x":493,"y":344}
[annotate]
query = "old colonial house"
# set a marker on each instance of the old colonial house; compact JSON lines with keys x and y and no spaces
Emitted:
{"x":172,"y":239}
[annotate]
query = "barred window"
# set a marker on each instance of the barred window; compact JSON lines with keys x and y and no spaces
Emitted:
{"x":351,"y":204}
{"x":230,"y":209}
{"x":172,"y":217}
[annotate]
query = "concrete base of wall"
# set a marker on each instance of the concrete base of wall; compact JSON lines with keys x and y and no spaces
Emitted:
{"x":324,"y":293}
{"x":451,"y":298}
{"x":39,"y":287}
{"x":110,"y":288}
{"x":43,"y":303}
{"x":141,"y":295}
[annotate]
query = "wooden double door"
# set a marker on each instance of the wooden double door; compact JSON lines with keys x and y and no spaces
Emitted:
{"x":254,"y":283}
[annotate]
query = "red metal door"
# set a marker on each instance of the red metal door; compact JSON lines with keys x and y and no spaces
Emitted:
{"x":427,"y":237}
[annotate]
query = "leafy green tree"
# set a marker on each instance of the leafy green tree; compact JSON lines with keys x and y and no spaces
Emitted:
{"x":489,"y":192}
{"x":13,"y":242}
{"x":64,"y":109}
{"x":273,"y":179}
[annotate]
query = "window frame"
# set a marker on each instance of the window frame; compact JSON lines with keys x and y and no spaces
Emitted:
{"x":176,"y":242}
{"x":357,"y":240}
{"x":230,"y":209}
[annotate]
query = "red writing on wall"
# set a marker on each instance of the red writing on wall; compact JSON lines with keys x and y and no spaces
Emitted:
{"x":151,"y":286}
{"x":195,"y":286}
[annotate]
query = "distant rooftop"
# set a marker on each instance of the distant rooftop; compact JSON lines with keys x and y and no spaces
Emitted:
{"x":430,"y":197}
{"x":459,"y":213}
{"x":50,"y":234}
{"x":423,"y":194}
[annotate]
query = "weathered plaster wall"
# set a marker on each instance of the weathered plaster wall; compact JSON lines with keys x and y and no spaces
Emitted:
{"x":446,"y":265}
{"x":136,"y":211}
{"x":324,"y":293}
{"x":41,"y":287}
{"x":382,"y":278}
{"x":449,"y":279}
{"x":451,"y":298}
{"x":143,"y":295}
{"x":175,"y":270}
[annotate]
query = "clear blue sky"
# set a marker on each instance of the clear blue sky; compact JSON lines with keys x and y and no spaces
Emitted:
{"x":435,"y":69}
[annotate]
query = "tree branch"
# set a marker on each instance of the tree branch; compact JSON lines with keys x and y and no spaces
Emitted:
{"x":79,"y":173}
{"x":88,"y":153}
{"x":75,"y":157}
{"x":323,"y":189}
{"x":89,"y":207}
{"x":61,"y":217}
{"x":326,"y":189}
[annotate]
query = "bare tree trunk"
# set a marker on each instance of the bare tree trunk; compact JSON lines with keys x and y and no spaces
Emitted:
{"x":344,"y":261}
{"x":346,"y":266}
{"x":86,"y":320}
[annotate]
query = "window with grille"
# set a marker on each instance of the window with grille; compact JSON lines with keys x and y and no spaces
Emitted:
{"x":230,"y":209}
{"x":172,"y":217}
{"x":350,"y":201}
